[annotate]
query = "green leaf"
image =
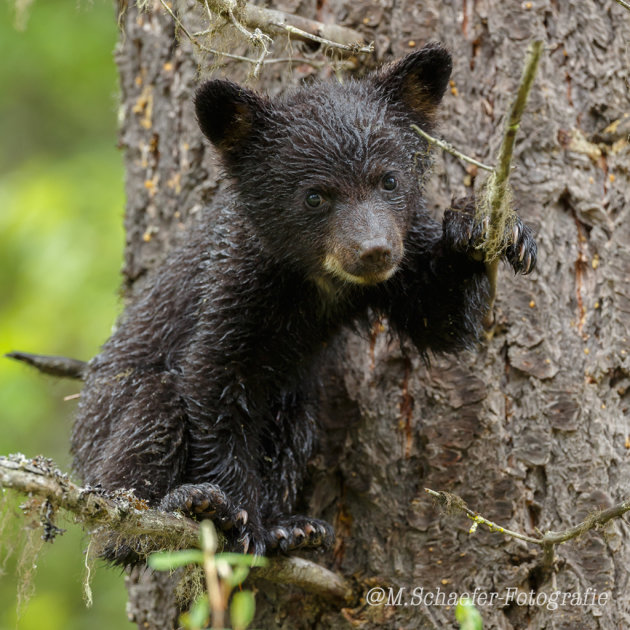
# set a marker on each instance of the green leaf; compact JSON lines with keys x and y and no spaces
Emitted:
{"x":468,"y":616}
{"x":242,"y":609}
{"x":166,"y":560}
{"x":238,"y":576}
{"x":242,"y":559}
{"x":198,"y":615}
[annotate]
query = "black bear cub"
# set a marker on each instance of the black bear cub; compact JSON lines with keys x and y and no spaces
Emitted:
{"x":203,"y":400}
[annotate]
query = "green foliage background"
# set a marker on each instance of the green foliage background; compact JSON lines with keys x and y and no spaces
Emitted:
{"x":61,"y":240}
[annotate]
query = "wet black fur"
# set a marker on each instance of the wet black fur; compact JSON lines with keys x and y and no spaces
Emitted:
{"x":204,"y":398}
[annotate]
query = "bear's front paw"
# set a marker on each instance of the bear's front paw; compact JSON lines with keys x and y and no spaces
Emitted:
{"x":207,"y":500}
{"x":204,"y":500}
{"x":300,"y":532}
{"x":463,"y":233}
{"x":243,"y":531}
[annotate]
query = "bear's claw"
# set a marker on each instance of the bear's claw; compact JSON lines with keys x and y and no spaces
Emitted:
{"x":464,"y":234}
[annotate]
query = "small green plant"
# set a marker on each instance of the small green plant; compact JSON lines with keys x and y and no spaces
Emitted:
{"x":467,"y":615}
{"x":223,"y":573}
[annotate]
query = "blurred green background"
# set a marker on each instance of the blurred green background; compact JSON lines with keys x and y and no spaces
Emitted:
{"x":61,"y":241}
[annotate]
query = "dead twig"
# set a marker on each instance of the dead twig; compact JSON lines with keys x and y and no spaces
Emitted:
{"x":256,"y":37}
{"x":496,"y":202}
{"x":63,"y":367}
{"x":276,"y":22}
{"x":449,"y":148}
{"x":549,"y":539}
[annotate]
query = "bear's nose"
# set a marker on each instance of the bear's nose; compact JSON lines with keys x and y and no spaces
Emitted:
{"x":376,"y":252}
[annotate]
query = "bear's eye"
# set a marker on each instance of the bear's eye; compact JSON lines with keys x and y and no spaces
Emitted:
{"x":313,"y":199}
{"x":389,"y":182}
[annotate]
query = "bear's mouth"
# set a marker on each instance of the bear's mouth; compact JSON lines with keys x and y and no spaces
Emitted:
{"x":364,"y":276}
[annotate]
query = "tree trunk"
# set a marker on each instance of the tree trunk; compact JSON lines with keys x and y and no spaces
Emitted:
{"x":532,"y":428}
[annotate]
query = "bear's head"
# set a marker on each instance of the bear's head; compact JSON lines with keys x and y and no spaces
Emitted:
{"x":330,"y":175}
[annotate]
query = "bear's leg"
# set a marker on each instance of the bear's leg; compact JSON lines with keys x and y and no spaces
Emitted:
{"x":289,"y":450}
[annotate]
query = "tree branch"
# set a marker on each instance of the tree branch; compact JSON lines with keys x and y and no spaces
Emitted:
{"x":128,"y":516}
{"x":307,"y":575}
{"x":121,"y":511}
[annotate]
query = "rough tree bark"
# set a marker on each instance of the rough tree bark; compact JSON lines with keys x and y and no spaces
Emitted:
{"x":532,"y":429}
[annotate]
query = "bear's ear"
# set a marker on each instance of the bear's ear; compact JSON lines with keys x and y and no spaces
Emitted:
{"x":418,"y":81}
{"x":227,"y":113}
